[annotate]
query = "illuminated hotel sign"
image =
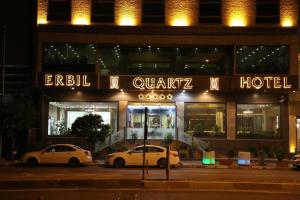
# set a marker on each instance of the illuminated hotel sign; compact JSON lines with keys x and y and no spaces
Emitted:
{"x":114,"y":82}
{"x":60,"y":80}
{"x":199,"y":83}
{"x":269,"y":82}
{"x":214,"y":83}
{"x":160,"y":83}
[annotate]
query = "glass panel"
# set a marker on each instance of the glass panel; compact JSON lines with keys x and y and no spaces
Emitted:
{"x":103,"y":11}
{"x":263,"y":59}
{"x":258,"y":121}
{"x":63,"y":114}
{"x":59,"y":10}
{"x":135,"y":60}
{"x":69,"y":57}
{"x":205,"y":119}
{"x":161,"y":120}
{"x":210,"y":11}
{"x":153,"y":11}
{"x":267,"y":11}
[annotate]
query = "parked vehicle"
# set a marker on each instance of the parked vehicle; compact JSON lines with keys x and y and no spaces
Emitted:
{"x":296,"y":161}
{"x":58,"y":154}
{"x":154,"y":156}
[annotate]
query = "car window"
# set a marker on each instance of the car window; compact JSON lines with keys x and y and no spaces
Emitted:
{"x":51,"y":149}
{"x":63,"y":148}
{"x":155,"y":149}
{"x":138,"y":150}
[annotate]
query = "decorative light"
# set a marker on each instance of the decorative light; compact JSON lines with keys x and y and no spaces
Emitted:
{"x":81,"y":21}
{"x":237,"y":22}
{"x":127,"y":21}
{"x":180,"y":22}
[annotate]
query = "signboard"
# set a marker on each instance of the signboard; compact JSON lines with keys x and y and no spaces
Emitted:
{"x":69,"y":80}
{"x":165,"y":83}
{"x":276,"y":82}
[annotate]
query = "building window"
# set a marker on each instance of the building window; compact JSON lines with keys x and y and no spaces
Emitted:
{"x":153,"y":11}
{"x":103,"y":11}
{"x":267,"y":11}
{"x":258,"y":121}
{"x":59,"y":10}
{"x":205,"y":119}
{"x":210,"y":11}
{"x":69,"y":57}
{"x":63,"y":114}
{"x":161,"y":120}
{"x":138,"y":60}
{"x":262,"y":59}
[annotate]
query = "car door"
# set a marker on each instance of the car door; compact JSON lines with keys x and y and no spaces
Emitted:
{"x":47,"y":155}
{"x":135,"y":156}
{"x":154,"y":154}
{"x":65,"y":153}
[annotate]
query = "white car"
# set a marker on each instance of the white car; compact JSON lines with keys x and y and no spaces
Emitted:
{"x":154,"y":156}
{"x":58,"y":154}
{"x":296,"y":161}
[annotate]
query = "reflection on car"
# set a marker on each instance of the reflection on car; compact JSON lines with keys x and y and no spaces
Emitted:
{"x":154,"y":156}
{"x":58,"y":154}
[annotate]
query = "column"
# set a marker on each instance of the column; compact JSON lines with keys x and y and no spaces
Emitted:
{"x":81,"y":12}
{"x":128,"y":12}
{"x":288,"y":13}
{"x":181,"y":13}
{"x":180,"y":118}
{"x":42,"y":11}
{"x":238,"y":12}
{"x":231,"y":120}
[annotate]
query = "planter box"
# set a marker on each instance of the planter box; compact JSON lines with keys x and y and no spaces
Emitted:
{"x":244,"y":158}
{"x":227,"y":162}
{"x":208,"y":158}
{"x":283,"y":164}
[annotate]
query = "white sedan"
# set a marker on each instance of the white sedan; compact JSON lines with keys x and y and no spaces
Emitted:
{"x":154,"y":156}
{"x":58,"y":154}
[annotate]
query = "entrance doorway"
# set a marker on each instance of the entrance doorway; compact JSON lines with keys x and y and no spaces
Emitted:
{"x":161,"y":120}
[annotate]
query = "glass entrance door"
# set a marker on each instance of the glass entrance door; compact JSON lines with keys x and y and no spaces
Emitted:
{"x":161,"y":120}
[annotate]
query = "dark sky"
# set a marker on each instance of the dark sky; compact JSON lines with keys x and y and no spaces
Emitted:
{"x":18,"y":16}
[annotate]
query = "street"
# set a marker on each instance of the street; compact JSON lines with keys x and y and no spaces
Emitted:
{"x":22,"y":183}
{"x":203,"y":174}
{"x":141,"y":194}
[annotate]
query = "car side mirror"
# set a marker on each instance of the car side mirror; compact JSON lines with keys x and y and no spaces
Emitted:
{"x":130,"y":152}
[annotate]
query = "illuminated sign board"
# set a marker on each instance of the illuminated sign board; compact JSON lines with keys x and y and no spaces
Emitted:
{"x":68,"y":80}
{"x":200,"y":83}
{"x":269,"y":82}
{"x":214,"y":83}
{"x":162,"y":83}
{"x":114,"y":82}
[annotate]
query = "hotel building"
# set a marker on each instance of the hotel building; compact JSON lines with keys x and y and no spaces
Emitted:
{"x":224,"y":72}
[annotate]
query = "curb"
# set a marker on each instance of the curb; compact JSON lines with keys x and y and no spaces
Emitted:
{"x":192,"y":185}
{"x":84,"y":183}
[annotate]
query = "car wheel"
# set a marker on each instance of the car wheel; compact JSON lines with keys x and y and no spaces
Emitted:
{"x":74,"y":162}
{"x":32,"y":162}
{"x":119,"y":163}
{"x":161,"y":163}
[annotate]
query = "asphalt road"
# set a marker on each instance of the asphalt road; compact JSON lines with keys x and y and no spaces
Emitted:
{"x":201,"y":174}
{"x":141,"y":194}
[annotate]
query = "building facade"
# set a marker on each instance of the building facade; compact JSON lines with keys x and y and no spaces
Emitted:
{"x":223,"y":72}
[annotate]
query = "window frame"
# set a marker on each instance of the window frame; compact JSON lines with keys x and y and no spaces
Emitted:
{"x":225,"y":120}
{"x":260,"y":135}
